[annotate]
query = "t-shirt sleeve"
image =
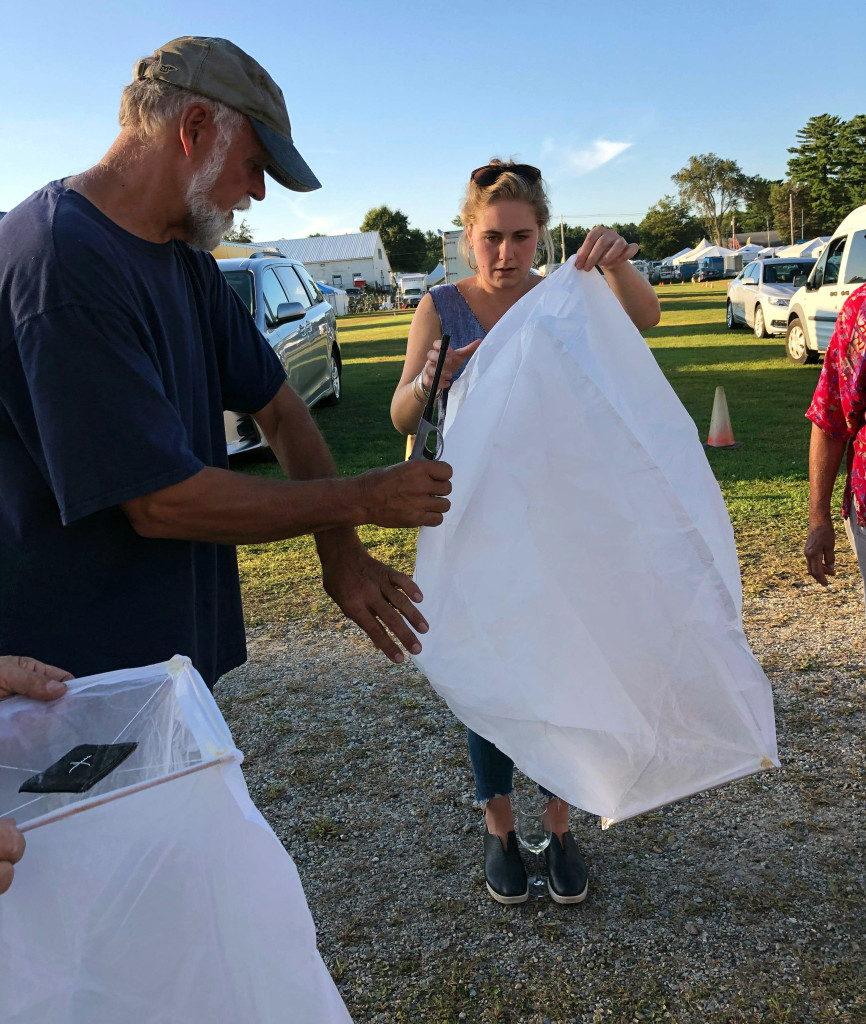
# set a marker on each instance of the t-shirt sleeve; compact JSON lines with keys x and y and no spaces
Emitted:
{"x":105,"y":430}
{"x":250,"y":371}
{"x":837,"y":405}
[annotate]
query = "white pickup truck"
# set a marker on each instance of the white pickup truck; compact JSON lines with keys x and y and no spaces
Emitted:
{"x":814,"y":307}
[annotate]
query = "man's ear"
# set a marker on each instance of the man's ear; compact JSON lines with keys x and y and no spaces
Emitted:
{"x":196,"y":126}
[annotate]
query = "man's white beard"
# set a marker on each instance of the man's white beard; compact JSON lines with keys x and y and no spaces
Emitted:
{"x":208,"y":224}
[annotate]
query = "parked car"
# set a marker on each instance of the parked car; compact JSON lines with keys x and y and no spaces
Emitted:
{"x":301,"y":327}
{"x":759,"y":296}
{"x":666,"y":273}
{"x":710,"y":268}
{"x":840,"y":270}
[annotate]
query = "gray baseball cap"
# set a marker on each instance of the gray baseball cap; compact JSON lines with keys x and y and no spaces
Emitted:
{"x":218,"y":69}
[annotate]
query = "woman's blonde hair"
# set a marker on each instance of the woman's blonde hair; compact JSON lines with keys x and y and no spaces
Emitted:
{"x":508,"y":186}
{"x":147,"y":104}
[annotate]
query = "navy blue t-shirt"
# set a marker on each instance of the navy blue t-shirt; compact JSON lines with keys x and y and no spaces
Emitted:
{"x":117,"y":359}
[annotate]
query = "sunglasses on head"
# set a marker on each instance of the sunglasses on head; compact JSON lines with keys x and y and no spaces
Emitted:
{"x":486,"y":175}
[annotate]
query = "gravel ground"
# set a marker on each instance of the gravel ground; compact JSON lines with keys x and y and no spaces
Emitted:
{"x":744,"y":904}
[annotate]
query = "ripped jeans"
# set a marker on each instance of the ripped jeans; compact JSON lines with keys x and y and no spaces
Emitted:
{"x":493,"y":770}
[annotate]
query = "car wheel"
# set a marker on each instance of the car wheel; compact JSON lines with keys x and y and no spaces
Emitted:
{"x":730,"y":320}
{"x":335,"y":373}
{"x":796,"y":346}
{"x":760,"y":326}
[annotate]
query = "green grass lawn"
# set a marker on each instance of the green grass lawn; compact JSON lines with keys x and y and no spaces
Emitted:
{"x":764,"y":482}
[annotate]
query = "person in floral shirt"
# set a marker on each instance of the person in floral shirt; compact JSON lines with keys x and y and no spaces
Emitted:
{"x":838,"y":415}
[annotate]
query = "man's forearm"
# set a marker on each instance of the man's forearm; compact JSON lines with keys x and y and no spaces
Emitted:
{"x":294,"y":438}
{"x":223,"y":507}
{"x":825,"y":457}
{"x":302,"y":453}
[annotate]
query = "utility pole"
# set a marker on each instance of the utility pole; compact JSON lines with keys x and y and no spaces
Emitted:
{"x":444,"y":257}
{"x":734,"y":229}
{"x":791,"y":214}
{"x":562,"y":238}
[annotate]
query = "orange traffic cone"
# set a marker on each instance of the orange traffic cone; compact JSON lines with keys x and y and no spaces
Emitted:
{"x":721,"y":431}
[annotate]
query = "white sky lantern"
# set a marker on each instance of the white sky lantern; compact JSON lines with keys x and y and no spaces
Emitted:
{"x":151,"y":889}
{"x":583,"y":592}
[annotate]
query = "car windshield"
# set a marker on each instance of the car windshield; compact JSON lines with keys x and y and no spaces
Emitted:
{"x":242,"y":283}
{"x":786,"y":273}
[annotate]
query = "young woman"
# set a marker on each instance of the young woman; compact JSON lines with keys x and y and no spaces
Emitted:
{"x":505,"y":214}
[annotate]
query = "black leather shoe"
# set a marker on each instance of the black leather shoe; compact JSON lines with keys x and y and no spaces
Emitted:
{"x":567,"y":877}
{"x":504,"y":871}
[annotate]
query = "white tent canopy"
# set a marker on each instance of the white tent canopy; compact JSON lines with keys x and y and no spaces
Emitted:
{"x":692,"y":255}
{"x":702,"y":250}
{"x":436,"y":276}
{"x":670,"y":259}
{"x":813,"y":248}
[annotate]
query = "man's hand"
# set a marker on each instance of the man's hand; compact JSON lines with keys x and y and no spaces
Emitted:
{"x":31,"y":678}
{"x":820,"y":552}
{"x":11,"y":851}
{"x":378,"y":598}
{"x":409,"y":494}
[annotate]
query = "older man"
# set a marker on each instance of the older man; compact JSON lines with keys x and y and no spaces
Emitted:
{"x":838,"y":415}
{"x":120,"y":346}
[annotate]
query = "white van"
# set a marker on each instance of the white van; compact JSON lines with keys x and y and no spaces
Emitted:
{"x":814,"y":307}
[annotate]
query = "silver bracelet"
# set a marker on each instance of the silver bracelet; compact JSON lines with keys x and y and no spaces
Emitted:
{"x":418,"y":382}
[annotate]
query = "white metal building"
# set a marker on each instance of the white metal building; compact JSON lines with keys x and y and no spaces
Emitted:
{"x":339,"y":260}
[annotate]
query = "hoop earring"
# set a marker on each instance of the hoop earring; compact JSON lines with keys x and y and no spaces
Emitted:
{"x":469,"y":260}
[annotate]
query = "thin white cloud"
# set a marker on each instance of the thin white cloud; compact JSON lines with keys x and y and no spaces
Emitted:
{"x":582,"y":161}
{"x":298,"y":218}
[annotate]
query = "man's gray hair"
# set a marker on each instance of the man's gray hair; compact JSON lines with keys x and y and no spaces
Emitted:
{"x":146,"y":105}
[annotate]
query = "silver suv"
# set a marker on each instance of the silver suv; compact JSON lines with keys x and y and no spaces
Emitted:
{"x":301,"y":327}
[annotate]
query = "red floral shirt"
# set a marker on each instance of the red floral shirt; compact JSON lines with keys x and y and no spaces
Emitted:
{"x":839,"y":404}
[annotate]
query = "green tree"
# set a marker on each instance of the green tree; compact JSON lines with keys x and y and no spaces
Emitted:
{"x":805,"y":222}
{"x":406,"y":247}
{"x":756,"y":210}
{"x":815,"y":164}
{"x":433,"y":245}
{"x":241,"y":233}
{"x":668,"y":227}
{"x":852,"y":159}
{"x":712,"y":187}
{"x":628,"y":231}
{"x":574,"y":239}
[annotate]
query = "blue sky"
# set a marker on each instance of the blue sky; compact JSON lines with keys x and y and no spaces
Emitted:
{"x":395,"y":104}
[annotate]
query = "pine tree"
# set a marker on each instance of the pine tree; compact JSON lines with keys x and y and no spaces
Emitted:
{"x":816,"y":165}
{"x":852,"y":160}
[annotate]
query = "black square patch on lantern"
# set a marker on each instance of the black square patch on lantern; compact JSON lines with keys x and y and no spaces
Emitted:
{"x":80,"y":769}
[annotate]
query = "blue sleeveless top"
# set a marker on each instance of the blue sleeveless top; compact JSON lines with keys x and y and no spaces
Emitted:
{"x":457,"y":318}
